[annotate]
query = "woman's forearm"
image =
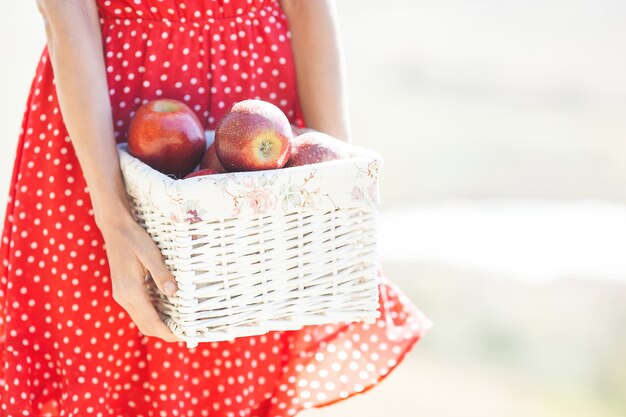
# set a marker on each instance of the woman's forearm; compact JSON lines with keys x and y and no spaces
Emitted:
{"x":75,"y":48}
{"x":319,"y":65}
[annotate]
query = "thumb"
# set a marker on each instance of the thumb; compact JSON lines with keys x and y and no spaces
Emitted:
{"x":151,"y":258}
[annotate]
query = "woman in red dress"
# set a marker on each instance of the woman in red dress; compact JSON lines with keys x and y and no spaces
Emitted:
{"x":78,"y":334}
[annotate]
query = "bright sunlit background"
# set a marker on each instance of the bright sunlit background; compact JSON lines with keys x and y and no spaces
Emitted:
{"x":503,"y":128}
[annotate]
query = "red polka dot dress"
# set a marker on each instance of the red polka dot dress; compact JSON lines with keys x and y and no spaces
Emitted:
{"x":67,"y":349}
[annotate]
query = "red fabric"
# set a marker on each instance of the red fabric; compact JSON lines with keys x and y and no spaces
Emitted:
{"x":67,"y":348}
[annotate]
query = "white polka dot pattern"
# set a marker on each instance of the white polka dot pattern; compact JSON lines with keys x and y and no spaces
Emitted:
{"x":67,"y":348}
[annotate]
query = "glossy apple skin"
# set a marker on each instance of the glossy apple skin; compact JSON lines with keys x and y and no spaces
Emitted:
{"x":253,"y":135}
{"x":202,"y":172}
{"x":211,"y":161}
{"x":313,"y":147}
{"x":167,"y":135}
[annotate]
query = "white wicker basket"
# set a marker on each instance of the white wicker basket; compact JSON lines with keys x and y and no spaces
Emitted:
{"x":259,"y":251}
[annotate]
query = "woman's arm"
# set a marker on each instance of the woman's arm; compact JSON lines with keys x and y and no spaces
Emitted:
{"x":319,"y":65}
{"x":76,"y":54}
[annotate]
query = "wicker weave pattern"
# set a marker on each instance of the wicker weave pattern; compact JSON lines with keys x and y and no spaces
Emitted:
{"x":300,"y":249}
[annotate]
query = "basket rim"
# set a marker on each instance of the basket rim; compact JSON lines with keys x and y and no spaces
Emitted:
{"x":331,"y":185}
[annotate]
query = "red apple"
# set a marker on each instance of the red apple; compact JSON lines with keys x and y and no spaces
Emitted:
{"x":210,"y":160}
{"x":167,"y":135}
{"x":314,"y":147}
{"x":253,"y":135}
{"x":202,"y":172}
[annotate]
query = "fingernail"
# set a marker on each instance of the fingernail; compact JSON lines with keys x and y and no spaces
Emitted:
{"x":170,"y":287}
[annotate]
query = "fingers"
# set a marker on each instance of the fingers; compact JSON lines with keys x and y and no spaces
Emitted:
{"x":135,"y":300}
{"x":151,"y":258}
{"x":145,"y":316}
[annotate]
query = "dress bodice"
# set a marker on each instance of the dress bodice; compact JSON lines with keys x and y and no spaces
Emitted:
{"x":199,"y":11}
{"x":207,"y":53}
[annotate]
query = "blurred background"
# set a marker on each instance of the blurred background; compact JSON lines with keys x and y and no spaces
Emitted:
{"x":503,"y":128}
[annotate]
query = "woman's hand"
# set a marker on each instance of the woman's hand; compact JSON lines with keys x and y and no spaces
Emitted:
{"x":132,"y":254}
